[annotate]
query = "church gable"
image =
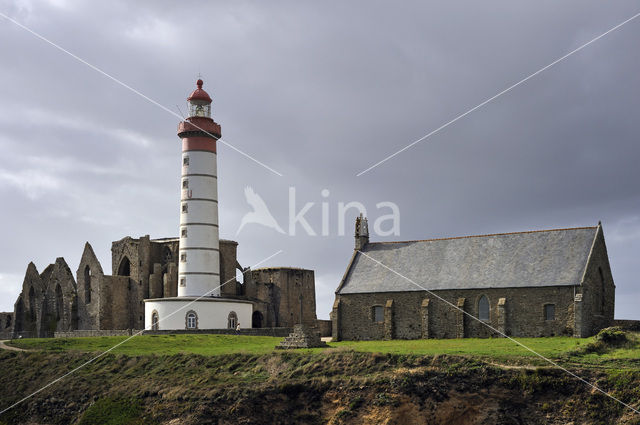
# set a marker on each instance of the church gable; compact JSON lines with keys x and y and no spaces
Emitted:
{"x":512,"y":260}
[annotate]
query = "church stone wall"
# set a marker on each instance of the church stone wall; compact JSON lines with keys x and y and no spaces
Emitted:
{"x":598,"y":292}
{"x":408,"y":316}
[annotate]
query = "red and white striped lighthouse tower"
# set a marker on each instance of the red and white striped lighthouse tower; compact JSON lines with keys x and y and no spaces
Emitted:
{"x":198,"y":304}
{"x":199,"y":262}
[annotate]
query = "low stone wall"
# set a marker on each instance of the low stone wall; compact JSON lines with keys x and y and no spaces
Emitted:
{"x":86,"y":333}
{"x":279,"y":332}
{"x":629,"y":325}
{"x":324,"y":327}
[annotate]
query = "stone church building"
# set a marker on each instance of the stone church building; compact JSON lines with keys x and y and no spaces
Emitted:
{"x":142,"y":268}
{"x":526,"y":284}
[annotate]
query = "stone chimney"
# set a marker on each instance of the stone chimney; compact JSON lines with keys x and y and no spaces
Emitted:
{"x":362,"y":232}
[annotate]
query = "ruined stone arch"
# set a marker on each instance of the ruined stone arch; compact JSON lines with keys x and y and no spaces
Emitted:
{"x":124,"y":269}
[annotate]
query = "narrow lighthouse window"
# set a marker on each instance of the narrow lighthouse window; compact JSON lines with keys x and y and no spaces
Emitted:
{"x":185,"y":208}
{"x":185,"y":161}
{"x":183,"y":257}
{"x":185,"y":184}
{"x":184,"y":232}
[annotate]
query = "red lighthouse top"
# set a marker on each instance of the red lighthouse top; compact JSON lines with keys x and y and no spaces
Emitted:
{"x":199,"y":94}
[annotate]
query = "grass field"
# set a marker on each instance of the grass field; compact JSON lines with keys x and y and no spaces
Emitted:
{"x":568,"y":349}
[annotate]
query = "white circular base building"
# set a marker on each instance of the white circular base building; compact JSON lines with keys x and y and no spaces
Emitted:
{"x":193,"y":313}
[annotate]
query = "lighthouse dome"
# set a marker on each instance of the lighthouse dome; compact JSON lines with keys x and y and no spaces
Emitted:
{"x":199,"y":95}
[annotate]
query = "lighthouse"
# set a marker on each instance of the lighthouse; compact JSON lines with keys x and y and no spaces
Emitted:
{"x":199,"y":256}
{"x":198,"y":304}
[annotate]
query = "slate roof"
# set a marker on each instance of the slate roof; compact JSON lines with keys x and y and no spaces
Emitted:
{"x":511,"y":260}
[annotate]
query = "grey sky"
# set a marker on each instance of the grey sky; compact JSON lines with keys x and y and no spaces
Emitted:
{"x":320,"y":91}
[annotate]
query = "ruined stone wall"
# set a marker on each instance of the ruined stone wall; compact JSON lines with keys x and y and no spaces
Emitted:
{"x":6,"y":325}
{"x":408,"y":316}
{"x":132,"y":258}
{"x":89,"y":280}
{"x":61,"y":307}
{"x":282,"y":288}
{"x":228,"y":266}
{"x":115,"y":292}
{"x":28,"y":309}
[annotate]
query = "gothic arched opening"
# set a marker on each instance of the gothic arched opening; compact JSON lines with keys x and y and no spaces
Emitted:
{"x":125,"y":267}
{"x":32,"y":304}
{"x":87,"y":285}
{"x":59,"y":303}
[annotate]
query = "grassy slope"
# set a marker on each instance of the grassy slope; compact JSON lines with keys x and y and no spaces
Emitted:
{"x":152,"y":379}
{"x":497,"y":349}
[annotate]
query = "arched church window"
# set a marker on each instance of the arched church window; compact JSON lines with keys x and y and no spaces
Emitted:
{"x":87,"y":285}
{"x":483,"y":308}
{"x":154,"y":321}
{"x":232,"y":320}
{"x":192,"y":320}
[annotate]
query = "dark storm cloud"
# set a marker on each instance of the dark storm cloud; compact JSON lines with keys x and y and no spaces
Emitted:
{"x":320,"y":91}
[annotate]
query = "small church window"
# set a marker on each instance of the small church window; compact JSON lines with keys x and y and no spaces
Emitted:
{"x":192,"y":320}
{"x":185,"y":184}
{"x":185,"y":208}
{"x":232,"y":320}
{"x":549,"y":312}
{"x":483,"y":308}
{"x":378,"y":313}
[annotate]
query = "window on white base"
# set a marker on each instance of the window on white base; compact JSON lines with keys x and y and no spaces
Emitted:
{"x":185,"y":184}
{"x":232,"y":320}
{"x":154,"y":321}
{"x":185,"y":208}
{"x":183,"y":232}
{"x":549,"y":312}
{"x":183,"y":257}
{"x":192,"y":320}
{"x":183,"y":281}
{"x":185,"y":161}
